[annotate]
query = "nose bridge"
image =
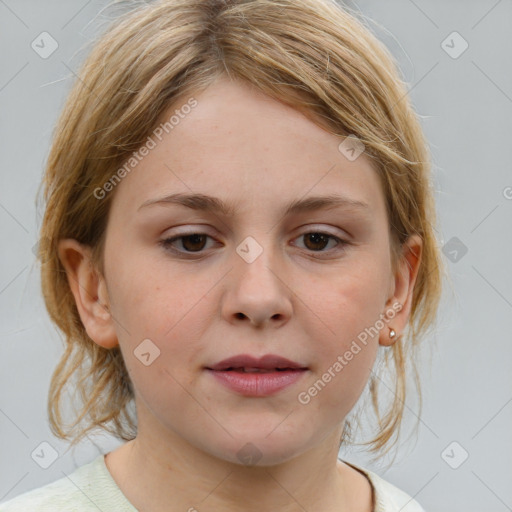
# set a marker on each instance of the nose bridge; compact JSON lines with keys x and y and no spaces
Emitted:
{"x":258,"y":257}
{"x":255,"y":288}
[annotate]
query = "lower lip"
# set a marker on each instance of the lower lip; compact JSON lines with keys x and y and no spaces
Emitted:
{"x":257,"y":384}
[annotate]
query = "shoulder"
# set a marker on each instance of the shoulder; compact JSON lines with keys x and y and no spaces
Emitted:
{"x":84,"y":490}
{"x":388,"y":497}
{"x":58,"y":495}
{"x":391,"y":498}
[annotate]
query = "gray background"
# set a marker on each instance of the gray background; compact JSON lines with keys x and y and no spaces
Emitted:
{"x":465,"y":104}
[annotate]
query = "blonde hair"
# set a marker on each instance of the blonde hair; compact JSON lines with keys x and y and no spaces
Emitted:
{"x":309,"y":54}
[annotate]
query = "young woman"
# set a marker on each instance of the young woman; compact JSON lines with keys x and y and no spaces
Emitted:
{"x":238,"y":222}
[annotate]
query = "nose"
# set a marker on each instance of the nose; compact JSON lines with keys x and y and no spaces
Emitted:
{"x":257,"y":292}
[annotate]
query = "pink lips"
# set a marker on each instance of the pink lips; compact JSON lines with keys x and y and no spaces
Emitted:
{"x":255,"y":377}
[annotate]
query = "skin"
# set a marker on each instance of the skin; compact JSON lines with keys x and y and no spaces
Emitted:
{"x":299,"y":299}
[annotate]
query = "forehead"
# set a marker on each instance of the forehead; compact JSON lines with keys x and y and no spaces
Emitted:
{"x":239,"y":144}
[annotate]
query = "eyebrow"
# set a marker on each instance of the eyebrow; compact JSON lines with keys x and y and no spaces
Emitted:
{"x":204,"y":202}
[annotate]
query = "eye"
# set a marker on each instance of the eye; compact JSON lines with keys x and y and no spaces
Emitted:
{"x":192,"y":243}
{"x":315,"y":241}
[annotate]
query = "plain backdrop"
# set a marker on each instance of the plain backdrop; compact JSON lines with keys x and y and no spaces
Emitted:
{"x":461,"y":86}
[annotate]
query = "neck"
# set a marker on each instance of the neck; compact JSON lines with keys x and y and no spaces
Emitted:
{"x":165,"y":473}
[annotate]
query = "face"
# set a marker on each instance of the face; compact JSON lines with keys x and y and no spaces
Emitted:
{"x":200,"y":286}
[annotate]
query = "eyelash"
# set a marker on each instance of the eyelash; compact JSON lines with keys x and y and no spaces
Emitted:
{"x":167,"y":242}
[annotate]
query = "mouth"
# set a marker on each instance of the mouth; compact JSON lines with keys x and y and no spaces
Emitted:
{"x":259,"y":383}
{"x":249,"y":364}
{"x":252,"y":377}
{"x":258,"y":370}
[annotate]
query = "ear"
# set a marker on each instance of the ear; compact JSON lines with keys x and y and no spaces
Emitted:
{"x":402,"y":289}
{"x":90,"y":292}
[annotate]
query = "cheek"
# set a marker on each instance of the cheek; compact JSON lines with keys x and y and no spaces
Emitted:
{"x":149,"y":297}
{"x":345,"y":302}
{"x":151,"y":307}
{"x":168,"y":308}
{"x":344,"y":313}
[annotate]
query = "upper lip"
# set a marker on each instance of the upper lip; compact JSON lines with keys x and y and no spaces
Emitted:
{"x":267,"y":362}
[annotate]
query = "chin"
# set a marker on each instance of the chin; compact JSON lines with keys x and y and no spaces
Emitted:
{"x":258,"y":450}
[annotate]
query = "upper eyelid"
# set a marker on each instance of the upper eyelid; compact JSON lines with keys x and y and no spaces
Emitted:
{"x":177,"y":236}
{"x":308,"y":228}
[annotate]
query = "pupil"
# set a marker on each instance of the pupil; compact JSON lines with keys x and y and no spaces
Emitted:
{"x":194,"y":238}
{"x":316,"y":237}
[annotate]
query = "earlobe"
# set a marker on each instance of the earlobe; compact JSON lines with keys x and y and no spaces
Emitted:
{"x":90,"y":292}
{"x":404,"y":282}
